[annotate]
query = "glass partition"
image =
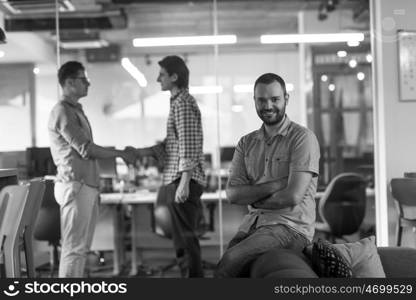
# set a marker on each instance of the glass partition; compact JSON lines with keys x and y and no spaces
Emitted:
{"x":126,"y":106}
{"x":346,"y":147}
{"x":17,"y":101}
{"x":241,"y":64}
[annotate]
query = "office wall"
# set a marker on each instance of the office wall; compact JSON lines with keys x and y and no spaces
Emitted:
{"x":400,"y":132}
{"x":395,"y":138}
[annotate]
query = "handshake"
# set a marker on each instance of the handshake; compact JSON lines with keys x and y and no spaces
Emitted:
{"x":130,"y":155}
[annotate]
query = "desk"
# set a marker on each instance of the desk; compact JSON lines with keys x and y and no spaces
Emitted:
{"x":142,"y":197}
{"x":146,"y":197}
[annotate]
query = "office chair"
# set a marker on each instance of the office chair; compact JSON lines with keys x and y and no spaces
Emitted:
{"x":4,"y":200}
{"x":11,"y":228}
{"x":403,"y":191}
{"x":163,"y":225}
{"x":342,"y":207}
{"x":30,"y":213}
{"x":3,"y":39}
{"x":48,"y":225}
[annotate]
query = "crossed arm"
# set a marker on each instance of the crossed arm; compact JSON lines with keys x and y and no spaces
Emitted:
{"x":290,"y":195}
{"x":245,"y":194}
{"x":275,"y":194}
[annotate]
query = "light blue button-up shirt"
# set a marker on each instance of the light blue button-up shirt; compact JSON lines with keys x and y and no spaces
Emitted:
{"x":258,"y":159}
{"x":70,"y":138}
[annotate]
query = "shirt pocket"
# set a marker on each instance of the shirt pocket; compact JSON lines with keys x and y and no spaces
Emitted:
{"x":280,"y":166}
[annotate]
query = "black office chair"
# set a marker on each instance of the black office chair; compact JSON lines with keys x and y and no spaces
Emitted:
{"x":342,"y":207}
{"x":404,"y":194}
{"x":162,"y":227}
{"x":48,"y":226}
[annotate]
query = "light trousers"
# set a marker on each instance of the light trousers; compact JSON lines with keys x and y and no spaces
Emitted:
{"x":79,"y":210}
{"x":247,"y":246}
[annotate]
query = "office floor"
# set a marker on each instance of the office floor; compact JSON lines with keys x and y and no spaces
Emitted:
{"x":153,"y":262}
{"x":157,"y":252}
{"x":153,"y":253}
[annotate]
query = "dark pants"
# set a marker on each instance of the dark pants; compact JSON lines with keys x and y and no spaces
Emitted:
{"x":185,"y":218}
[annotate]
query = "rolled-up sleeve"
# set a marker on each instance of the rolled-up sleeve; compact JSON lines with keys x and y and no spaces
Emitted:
{"x":238,"y":170}
{"x":160,"y":150}
{"x":305,"y":154}
{"x":189,"y":132}
{"x":68,"y":126}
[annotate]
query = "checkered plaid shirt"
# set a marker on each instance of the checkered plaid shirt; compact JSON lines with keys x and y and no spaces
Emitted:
{"x":181,"y":150}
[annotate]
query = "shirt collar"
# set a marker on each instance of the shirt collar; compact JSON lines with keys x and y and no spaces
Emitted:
{"x":72,"y":102}
{"x":282,"y":130}
{"x":178,"y":92}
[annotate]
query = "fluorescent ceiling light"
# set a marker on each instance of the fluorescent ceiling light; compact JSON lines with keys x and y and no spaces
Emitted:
{"x":205,"y":89}
{"x":342,"y":53}
{"x":2,"y":54}
{"x":134,"y":72}
{"x":185,"y":40}
{"x":69,"y":6}
{"x":89,"y":44}
{"x":311,"y":38}
{"x":30,"y":7}
{"x":11,"y":8}
{"x":353,"y":43}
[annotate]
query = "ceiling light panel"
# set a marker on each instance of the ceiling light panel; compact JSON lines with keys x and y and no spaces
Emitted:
{"x":311,"y":38}
{"x":185,"y":40}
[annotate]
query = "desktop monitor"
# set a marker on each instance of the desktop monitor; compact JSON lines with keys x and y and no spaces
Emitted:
{"x":39,"y":162}
{"x":226,"y":154}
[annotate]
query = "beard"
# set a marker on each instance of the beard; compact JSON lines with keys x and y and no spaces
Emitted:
{"x":271,"y":116}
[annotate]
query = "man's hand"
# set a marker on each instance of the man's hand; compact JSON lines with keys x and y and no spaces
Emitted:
{"x":182,"y":192}
{"x":259,"y":204}
{"x":129,"y":156}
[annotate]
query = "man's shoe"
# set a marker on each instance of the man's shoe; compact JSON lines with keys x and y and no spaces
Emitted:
{"x":183,"y":263}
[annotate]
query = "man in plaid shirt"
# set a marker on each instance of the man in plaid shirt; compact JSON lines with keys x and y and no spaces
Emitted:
{"x":182,"y":158}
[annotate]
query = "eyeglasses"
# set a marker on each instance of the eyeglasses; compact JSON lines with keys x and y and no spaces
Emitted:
{"x":84,"y":79}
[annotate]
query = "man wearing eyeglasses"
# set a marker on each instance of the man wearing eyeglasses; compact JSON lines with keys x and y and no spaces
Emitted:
{"x":74,"y":153}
